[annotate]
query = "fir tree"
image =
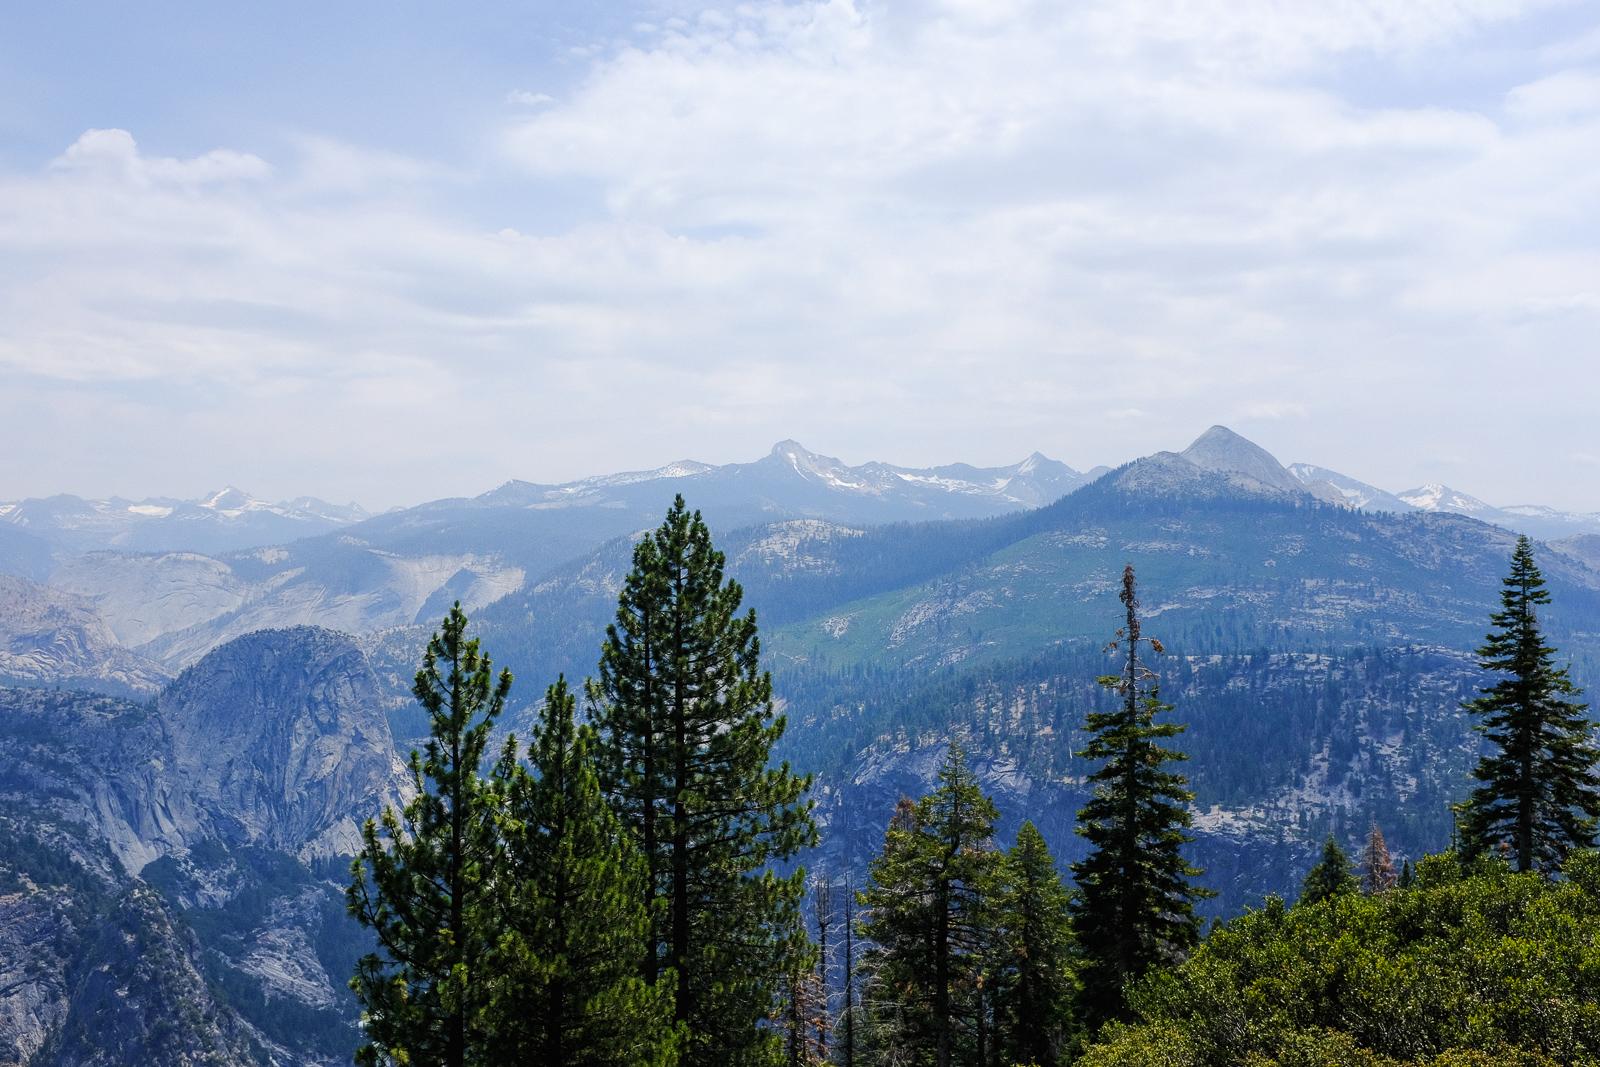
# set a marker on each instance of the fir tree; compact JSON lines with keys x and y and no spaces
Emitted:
{"x":687,"y":729}
{"x":1135,"y":908}
{"x":1033,"y":1007}
{"x":1377,"y":868}
{"x":1540,"y":792}
{"x":572,"y":921}
{"x":928,"y":900}
{"x":1330,"y":878}
{"x":424,"y":884}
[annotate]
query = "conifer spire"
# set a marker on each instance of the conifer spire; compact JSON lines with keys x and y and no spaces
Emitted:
{"x":1540,"y":795}
{"x":1136,"y":910}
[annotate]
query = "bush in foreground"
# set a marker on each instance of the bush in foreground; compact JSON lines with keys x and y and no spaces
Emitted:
{"x":1471,"y":967}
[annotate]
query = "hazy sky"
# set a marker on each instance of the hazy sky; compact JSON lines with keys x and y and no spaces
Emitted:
{"x":396,"y":251}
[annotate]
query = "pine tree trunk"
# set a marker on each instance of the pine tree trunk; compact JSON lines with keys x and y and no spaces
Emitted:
{"x":456,"y":1048}
{"x":941,"y":971}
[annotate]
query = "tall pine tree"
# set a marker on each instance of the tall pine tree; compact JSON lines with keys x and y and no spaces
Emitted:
{"x":1540,"y":794}
{"x":1136,"y":905}
{"x":571,"y":922}
{"x":424,"y":883}
{"x":928,"y":901}
{"x":1036,"y":983}
{"x":687,"y":729}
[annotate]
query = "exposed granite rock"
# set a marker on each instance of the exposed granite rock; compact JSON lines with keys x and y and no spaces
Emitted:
{"x":138,"y":997}
{"x":229,"y":796}
{"x":277,"y":739}
{"x":33,"y":988}
{"x":101,"y":763}
{"x":281,"y":740}
{"x":143,"y":597}
{"x":48,"y":637}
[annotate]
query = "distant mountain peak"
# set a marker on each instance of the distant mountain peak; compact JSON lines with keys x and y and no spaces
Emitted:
{"x":1438,"y":497}
{"x":1220,"y":449}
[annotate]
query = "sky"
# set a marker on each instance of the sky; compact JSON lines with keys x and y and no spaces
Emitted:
{"x":389,"y":252}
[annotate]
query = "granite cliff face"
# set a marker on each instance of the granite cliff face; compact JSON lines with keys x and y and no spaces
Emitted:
{"x":170,"y":871}
{"x":49,"y":637}
{"x":280,"y":740}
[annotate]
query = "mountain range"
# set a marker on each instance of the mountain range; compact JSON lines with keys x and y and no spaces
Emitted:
{"x":222,"y":746}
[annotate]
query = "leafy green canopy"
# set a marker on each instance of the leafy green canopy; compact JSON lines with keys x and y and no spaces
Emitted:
{"x":1540,"y":794}
{"x":1136,"y":908}
{"x":1470,"y":966}
{"x":424,"y":884}
{"x":686,"y":733}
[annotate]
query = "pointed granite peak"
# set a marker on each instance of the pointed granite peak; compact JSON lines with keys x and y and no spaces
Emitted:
{"x":1220,"y":449}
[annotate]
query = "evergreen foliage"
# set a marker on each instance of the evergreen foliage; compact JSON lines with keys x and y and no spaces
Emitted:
{"x":1540,"y":793}
{"x":928,"y":902}
{"x":1329,"y":878}
{"x":1136,"y":905}
{"x":687,"y":728}
{"x":1036,"y":984}
{"x":424,"y":882}
{"x":1475,"y":965}
{"x":571,"y":918}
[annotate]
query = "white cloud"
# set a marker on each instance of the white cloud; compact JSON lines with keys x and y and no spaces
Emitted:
{"x":919,"y":232}
{"x":113,"y":154}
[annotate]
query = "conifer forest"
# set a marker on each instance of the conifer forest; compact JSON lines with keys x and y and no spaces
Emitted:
{"x":638,"y":880}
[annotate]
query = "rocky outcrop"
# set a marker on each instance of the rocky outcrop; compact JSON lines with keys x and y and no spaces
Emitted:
{"x":231,"y":801}
{"x":143,"y":597}
{"x":1245,"y":463}
{"x":93,"y":968}
{"x":276,"y":740}
{"x":280,"y":740}
{"x":96,"y":762}
{"x":48,"y":637}
{"x":178,"y":606}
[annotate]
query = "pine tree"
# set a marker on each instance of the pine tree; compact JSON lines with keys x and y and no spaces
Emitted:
{"x":1331,"y":877}
{"x":424,"y":884}
{"x":687,"y":728}
{"x":1135,"y":908}
{"x":1377,"y":868}
{"x":571,"y":915}
{"x":928,"y":909}
{"x":1540,"y":791}
{"x":1033,"y":1007}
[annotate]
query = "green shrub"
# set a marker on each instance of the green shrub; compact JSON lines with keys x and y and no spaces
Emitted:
{"x":1471,"y":967}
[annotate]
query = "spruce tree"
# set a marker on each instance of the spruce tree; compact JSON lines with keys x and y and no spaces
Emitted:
{"x":1331,"y":877}
{"x":1539,"y":792}
{"x":424,"y":882}
{"x":928,"y":900}
{"x":1135,"y":908}
{"x":687,"y":729}
{"x":571,"y":918}
{"x":1033,"y":1006}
